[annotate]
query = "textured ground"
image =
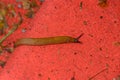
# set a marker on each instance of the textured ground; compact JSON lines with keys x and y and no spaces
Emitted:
{"x":98,"y":53}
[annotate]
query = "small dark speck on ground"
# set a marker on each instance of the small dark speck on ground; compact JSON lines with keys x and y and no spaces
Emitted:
{"x":73,"y":78}
{"x":75,"y":53}
{"x":100,"y":49}
{"x":85,"y":22}
{"x":81,"y":3}
{"x":101,"y":17}
{"x":115,"y":21}
{"x":39,"y":74}
{"x":49,"y":78}
{"x":90,"y":35}
{"x":91,"y":55}
{"x":8,"y":71}
{"x":117,"y":43}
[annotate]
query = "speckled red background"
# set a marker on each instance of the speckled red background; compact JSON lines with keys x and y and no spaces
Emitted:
{"x":65,"y":61}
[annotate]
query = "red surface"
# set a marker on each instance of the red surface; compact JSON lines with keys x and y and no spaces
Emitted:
{"x":62,"y":62}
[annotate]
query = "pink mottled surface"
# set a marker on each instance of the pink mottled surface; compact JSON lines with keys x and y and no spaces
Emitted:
{"x":62,"y":62}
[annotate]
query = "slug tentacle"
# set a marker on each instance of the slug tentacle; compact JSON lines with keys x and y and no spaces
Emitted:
{"x":77,"y":39}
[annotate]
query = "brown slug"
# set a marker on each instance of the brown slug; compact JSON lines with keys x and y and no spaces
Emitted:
{"x":47,"y":41}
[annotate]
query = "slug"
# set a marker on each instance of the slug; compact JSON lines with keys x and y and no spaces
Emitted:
{"x":47,"y":41}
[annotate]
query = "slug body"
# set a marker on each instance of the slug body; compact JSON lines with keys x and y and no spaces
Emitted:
{"x":46,"y":41}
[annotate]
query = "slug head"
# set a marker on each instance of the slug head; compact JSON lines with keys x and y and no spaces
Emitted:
{"x":77,"y":39}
